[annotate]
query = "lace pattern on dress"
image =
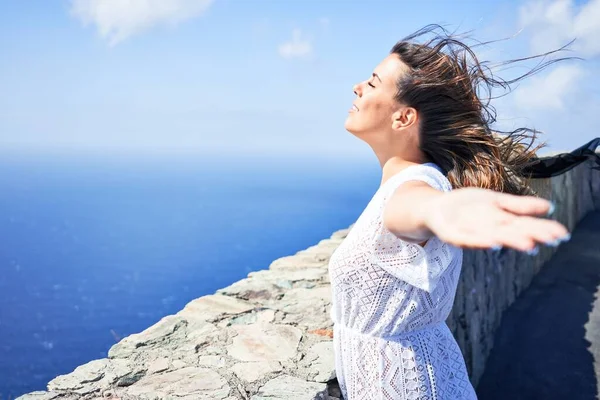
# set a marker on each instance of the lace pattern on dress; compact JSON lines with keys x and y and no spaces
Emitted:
{"x":390,"y":302}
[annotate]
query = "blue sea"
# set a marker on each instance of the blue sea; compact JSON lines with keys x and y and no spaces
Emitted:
{"x":92,"y":249}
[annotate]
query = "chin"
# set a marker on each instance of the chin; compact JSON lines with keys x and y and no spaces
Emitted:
{"x":350,"y":127}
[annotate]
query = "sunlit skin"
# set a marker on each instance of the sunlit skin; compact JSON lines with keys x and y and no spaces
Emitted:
{"x":467,"y":217}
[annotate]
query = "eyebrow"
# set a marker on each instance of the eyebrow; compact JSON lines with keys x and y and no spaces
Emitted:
{"x":377,"y":76}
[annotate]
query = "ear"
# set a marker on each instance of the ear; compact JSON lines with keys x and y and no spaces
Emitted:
{"x":404,"y":118}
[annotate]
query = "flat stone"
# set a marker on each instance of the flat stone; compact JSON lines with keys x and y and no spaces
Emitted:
{"x":264,"y":342}
{"x":244,"y":319}
{"x":315,"y":253}
{"x":122,"y":372}
{"x":313,"y":319}
{"x":323,"y":332}
{"x":254,"y":371}
{"x":159,"y":333}
{"x":190,"y":382}
{"x":307,"y":308}
{"x":323,"y":250}
{"x":213,"y":306}
{"x":213,"y":350}
{"x":301,"y":261}
{"x":321,"y":362}
{"x":178,"y":364}
{"x":312,"y":274}
{"x":285,"y":284}
{"x":266,"y":316}
{"x":202,"y":338}
{"x":204,"y":383}
{"x":40,"y":395}
{"x":341,"y":234}
{"x":158,"y":365}
{"x":286,"y":387}
{"x":87,"y":389}
{"x":288,"y":279}
{"x":298,"y":300}
{"x":131,"y":378}
{"x":212,"y":361}
{"x":329,"y":243}
{"x":93,"y":371}
{"x":250,"y":289}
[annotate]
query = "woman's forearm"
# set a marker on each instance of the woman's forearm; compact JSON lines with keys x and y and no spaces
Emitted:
{"x":405,"y":214}
{"x":471,"y":218}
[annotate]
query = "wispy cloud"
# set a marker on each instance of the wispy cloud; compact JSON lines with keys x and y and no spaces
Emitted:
{"x":562,"y":100}
{"x":116,"y":20}
{"x":297,"y":47}
{"x":550,"y":91}
{"x":554,"y":23}
{"x":550,"y":25}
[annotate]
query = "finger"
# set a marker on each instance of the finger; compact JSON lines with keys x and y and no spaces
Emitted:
{"x":524,"y":233}
{"x":503,"y":229}
{"x":542,"y":231}
{"x":513,"y":237}
{"x":523,"y":205}
{"x":479,"y":238}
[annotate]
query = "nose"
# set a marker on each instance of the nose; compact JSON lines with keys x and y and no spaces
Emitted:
{"x":357,"y":89}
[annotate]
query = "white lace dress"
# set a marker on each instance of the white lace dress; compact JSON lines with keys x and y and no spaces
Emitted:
{"x":390,"y":302}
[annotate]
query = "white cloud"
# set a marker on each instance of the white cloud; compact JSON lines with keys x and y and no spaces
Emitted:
{"x":550,"y":25}
{"x":556,"y":22}
{"x":549,"y":91}
{"x":298,"y":47}
{"x":117,"y":20}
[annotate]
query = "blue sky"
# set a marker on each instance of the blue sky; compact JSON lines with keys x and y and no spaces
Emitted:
{"x":188,"y":77}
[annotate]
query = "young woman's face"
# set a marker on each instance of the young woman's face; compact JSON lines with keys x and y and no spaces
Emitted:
{"x":372,"y":110}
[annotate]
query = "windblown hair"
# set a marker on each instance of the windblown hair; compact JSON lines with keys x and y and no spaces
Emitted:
{"x":452,"y":92}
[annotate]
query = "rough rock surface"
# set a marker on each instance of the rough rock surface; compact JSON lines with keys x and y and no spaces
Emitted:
{"x":269,"y":336}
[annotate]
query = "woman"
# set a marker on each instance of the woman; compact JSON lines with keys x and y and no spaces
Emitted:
{"x":395,"y":275}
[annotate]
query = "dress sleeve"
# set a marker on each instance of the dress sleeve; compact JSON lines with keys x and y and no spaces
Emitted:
{"x":419,"y":266}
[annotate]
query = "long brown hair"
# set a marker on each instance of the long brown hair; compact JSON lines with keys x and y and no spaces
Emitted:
{"x":452,"y":92}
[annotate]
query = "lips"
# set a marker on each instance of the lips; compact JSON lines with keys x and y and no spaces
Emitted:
{"x":354,"y":107}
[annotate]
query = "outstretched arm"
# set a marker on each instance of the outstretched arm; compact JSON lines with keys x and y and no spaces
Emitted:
{"x":471,"y":217}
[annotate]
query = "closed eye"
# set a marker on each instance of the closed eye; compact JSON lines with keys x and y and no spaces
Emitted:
{"x":370,"y":84}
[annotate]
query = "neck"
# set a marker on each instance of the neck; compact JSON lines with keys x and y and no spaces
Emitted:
{"x":393,"y":166}
{"x":393,"y":160}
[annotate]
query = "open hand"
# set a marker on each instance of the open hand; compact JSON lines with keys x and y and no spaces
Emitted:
{"x":481,"y":218}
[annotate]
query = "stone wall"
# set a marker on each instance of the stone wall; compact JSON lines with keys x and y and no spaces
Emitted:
{"x":269,"y":336}
{"x":491,"y":281}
